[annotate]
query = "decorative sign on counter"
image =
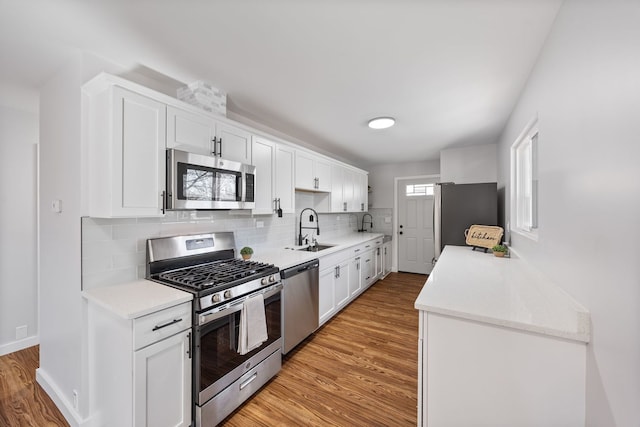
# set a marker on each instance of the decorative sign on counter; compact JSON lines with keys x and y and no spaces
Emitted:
{"x":483,"y":236}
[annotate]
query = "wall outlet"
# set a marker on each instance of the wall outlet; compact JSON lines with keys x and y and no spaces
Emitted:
{"x":387,"y":220}
{"x":259,"y":224}
{"x":21,"y":332}
{"x":56,"y":206}
{"x":75,"y":399}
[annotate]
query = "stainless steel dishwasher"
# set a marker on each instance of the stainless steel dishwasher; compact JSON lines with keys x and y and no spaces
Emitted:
{"x":299,"y":303}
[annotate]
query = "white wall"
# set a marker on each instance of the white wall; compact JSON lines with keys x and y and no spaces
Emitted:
{"x":18,"y":252}
{"x":469,"y":165}
{"x":585,"y":89}
{"x":381,"y":179}
{"x":63,"y":335}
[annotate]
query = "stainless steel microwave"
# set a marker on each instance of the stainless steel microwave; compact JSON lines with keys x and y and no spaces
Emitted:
{"x":196,"y":181}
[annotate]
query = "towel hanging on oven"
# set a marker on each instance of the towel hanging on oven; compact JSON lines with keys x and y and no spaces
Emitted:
{"x":253,"y":325}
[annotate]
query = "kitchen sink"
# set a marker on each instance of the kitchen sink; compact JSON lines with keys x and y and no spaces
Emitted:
{"x":316,"y":248}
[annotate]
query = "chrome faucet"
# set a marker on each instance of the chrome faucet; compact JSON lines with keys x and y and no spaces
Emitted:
{"x":370,"y":222}
{"x":311,"y":219}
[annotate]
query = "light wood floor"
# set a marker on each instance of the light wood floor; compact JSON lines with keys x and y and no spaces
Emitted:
{"x":22,"y":401}
{"x":359,"y":369}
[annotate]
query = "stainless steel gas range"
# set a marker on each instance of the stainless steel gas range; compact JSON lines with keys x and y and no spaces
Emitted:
{"x":225,"y":373}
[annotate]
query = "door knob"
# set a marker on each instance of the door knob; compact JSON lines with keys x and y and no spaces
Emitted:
{"x":400,"y":232}
{"x":400,"y":226}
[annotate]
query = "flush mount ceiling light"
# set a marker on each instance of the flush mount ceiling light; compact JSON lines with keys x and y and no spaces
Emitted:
{"x":381,"y":122}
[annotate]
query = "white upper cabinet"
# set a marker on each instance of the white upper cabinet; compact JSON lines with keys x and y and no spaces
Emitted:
{"x":264,"y":157}
{"x":361,"y":192}
{"x":189,"y":131}
{"x":129,"y":127}
{"x":201,"y":133}
{"x":312,"y":173}
{"x":343,"y":182}
{"x":274,"y":176}
{"x":233,"y":143}
{"x":285,"y":177}
{"x":126,"y":151}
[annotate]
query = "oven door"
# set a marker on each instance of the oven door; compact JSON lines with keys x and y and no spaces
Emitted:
{"x":217,"y":362}
{"x":195,"y":181}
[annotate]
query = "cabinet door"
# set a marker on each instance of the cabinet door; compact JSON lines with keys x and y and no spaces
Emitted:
{"x":284,"y":176}
{"x":368,"y":268}
{"x":348,"y":192}
{"x":263,"y":158}
{"x":338,"y":202}
{"x":355,"y":276}
{"x":378,"y":256}
{"x":323,"y":174}
{"x":360,"y":185}
{"x":190,"y":131}
{"x":386,"y":258}
{"x":341,"y":284}
{"x":162,"y":383}
{"x":305,"y":176}
{"x":234,"y":143}
{"x":139,"y":137}
{"x":326,"y":302}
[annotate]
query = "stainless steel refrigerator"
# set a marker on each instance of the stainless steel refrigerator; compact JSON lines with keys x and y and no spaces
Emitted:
{"x":458,"y":206}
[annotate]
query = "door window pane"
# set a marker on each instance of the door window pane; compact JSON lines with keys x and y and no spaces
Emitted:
{"x":419,"y":190}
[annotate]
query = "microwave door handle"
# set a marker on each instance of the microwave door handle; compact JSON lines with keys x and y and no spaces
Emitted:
{"x":243,"y":183}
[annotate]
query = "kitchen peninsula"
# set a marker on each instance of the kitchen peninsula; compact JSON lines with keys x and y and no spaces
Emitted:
{"x":499,"y":345}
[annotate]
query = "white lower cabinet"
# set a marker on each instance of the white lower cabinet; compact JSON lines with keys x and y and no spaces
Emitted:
{"x":474,"y":373}
{"x":344,"y":276}
{"x":386,"y":259}
{"x":140,"y":369}
{"x":341,"y":284}
{"x":334,"y":284}
{"x":355,"y":276}
{"x":162,"y":383}
{"x":326,"y":301}
{"x":368,"y":268}
{"x":377,"y":254}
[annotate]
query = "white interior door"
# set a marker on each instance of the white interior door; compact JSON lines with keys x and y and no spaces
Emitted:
{"x":415,"y":225}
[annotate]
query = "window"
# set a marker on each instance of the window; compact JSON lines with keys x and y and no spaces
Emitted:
{"x":524,"y":182}
{"x":419,"y":190}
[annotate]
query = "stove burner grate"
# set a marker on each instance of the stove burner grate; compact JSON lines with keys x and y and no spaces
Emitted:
{"x":215,"y":273}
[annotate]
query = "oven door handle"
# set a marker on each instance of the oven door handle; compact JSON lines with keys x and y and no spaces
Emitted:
{"x":237,"y":306}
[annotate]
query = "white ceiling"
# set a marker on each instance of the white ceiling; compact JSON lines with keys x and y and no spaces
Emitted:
{"x":449,"y":71}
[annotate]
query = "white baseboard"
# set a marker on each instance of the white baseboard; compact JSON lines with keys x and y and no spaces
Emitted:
{"x":19,"y":345}
{"x":66,"y":408}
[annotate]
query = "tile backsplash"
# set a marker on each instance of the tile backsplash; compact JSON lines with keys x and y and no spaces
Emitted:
{"x":114,"y":250}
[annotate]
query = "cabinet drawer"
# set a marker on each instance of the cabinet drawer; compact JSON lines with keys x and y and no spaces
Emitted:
{"x":334,"y":259}
{"x":161,"y":324}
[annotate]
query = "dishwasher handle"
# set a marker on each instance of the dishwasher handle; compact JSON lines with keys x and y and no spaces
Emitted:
{"x":299,"y":269}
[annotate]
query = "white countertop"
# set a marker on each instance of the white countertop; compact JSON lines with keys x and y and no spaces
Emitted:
{"x":501,"y":291}
{"x":289,"y":257}
{"x":136,"y":299}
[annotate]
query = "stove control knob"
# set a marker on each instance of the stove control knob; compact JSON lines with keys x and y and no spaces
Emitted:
{"x":272,"y":278}
{"x":264,"y":281}
{"x":227,"y":294}
{"x":215,"y":298}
